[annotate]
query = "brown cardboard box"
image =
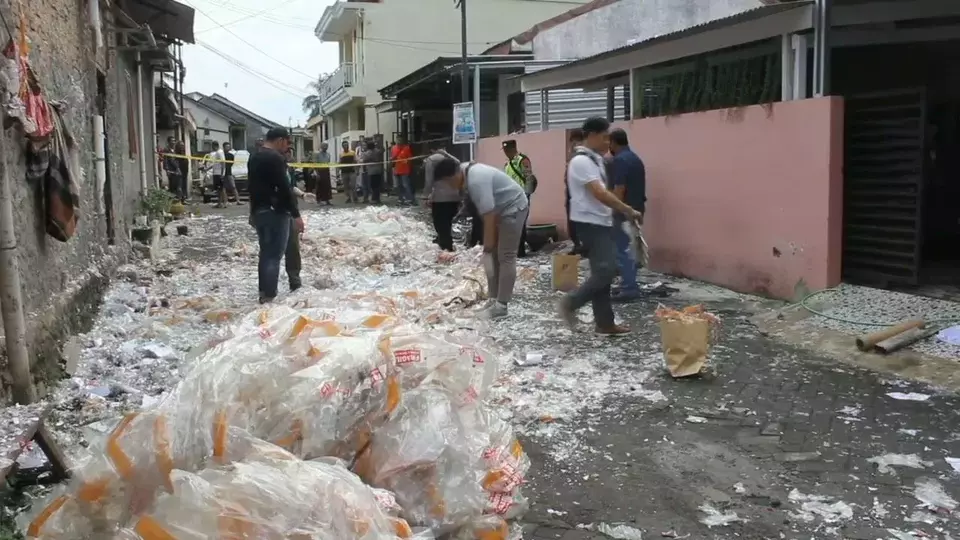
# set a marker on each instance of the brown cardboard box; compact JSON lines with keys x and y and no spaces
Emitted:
{"x":566,"y":272}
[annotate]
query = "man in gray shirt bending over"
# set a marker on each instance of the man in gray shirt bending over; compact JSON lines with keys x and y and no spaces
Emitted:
{"x":503,"y":205}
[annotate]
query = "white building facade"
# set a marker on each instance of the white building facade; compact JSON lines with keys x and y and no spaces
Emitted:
{"x":381,"y":41}
{"x":211,"y":126}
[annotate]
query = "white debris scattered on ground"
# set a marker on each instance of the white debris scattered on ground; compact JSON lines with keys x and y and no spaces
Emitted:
{"x":15,"y":420}
{"x":850,"y":411}
{"x":929,"y":492}
{"x":696,"y":419}
{"x":814,"y":506}
{"x":886,"y":462}
{"x":950,"y":335}
{"x":716,"y":518}
{"x":923,"y":516}
{"x":905,"y":535}
{"x":879,"y":510}
{"x":157,"y":317}
{"x":620,"y":531}
{"x":910,"y":396}
{"x":557,"y":399}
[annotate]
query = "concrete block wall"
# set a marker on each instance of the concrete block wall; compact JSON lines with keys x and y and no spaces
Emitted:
{"x":749,"y":198}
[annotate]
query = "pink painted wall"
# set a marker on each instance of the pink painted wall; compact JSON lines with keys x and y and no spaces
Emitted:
{"x":750,"y":199}
{"x":546,"y":150}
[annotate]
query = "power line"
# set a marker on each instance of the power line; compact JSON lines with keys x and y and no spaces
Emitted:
{"x":289,"y":24}
{"x":411,"y":47}
{"x":254,"y":47}
{"x":251,"y":71}
{"x":289,"y":89}
{"x":236,"y":61}
{"x":250,"y":14}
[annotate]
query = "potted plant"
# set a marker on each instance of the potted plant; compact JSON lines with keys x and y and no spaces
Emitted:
{"x":177,"y":210}
{"x":154,"y":207}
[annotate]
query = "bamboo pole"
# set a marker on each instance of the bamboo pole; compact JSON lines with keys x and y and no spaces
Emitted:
{"x":905,"y":339}
{"x":866,"y":342}
{"x":11,"y":298}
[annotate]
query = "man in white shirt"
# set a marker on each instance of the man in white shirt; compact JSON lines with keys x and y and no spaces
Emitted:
{"x":502,"y":203}
{"x":591,"y":210}
{"x":216,"y":170}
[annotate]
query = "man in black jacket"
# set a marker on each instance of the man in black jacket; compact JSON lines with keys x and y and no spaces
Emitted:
{"x":272,"y":208}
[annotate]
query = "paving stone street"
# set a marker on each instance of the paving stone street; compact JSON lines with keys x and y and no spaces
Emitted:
{"x":768,"y":420}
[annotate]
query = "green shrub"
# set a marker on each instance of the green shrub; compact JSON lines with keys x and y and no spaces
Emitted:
{"x":155,"y":204}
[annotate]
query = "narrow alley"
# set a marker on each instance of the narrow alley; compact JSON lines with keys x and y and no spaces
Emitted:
{"x":778,"y":175}
{"x":774,"y":443}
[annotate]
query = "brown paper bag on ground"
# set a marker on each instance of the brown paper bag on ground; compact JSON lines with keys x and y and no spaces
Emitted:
{"x":566,"y":272}
{"x":686,"y":337}
{"x":685,"y":345}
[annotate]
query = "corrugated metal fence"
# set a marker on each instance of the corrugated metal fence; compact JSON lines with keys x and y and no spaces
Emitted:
{"x":568,"y":108}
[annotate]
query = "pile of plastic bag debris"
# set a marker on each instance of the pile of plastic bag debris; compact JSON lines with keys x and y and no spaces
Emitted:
{"x":337,"y":414}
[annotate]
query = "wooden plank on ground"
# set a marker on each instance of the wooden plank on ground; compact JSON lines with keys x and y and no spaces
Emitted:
{"x":18,"y":425}
{"x":55,"y":455}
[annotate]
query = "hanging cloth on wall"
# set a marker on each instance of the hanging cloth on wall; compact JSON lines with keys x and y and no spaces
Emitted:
{"x":54,"y":167}
{"x":61,"y":184}
{"x":26,"y":102}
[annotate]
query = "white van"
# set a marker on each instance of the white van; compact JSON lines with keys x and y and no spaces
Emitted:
{"x":240,"y":158}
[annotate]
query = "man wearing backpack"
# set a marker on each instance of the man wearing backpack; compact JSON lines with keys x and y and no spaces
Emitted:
{"x":592,"y":206}
{"x":520,"y":169}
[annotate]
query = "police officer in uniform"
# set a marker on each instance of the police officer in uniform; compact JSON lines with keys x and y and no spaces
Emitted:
{"x":519,"y":168}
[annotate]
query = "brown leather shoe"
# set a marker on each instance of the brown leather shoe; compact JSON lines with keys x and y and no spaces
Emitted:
{"x":615,"y":330}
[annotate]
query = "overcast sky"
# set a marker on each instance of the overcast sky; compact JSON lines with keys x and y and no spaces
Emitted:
{"x":261,"y":36}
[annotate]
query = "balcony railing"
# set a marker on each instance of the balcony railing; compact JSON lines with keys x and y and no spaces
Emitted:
{"x":338,"y":80}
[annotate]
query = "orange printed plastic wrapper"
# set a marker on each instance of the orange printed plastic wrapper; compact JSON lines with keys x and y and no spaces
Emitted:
{"x":313,"y":409}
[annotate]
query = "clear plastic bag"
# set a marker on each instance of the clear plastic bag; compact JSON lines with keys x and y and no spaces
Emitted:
{"x":447,"y":462}
{"x":281,"y":500}
{"x":279,"y":397}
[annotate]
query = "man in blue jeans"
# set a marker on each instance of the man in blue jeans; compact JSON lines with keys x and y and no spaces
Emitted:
{"x":272,"y":208}
{"x":629,"y":185}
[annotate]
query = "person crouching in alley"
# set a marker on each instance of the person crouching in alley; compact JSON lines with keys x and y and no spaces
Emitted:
{"x":502,"y":205}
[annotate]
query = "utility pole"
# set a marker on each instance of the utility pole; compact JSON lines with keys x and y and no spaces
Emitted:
{"x":464,"y":69}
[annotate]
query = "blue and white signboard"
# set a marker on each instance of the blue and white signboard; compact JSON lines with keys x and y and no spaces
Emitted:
{"x":464,"y":123}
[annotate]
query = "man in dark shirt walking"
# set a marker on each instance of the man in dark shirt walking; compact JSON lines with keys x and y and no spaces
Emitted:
{"x":629,"y":185}
{"x":272,"y":207}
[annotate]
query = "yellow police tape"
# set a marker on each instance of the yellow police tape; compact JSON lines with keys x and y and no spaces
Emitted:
{"x":294,"y":165}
